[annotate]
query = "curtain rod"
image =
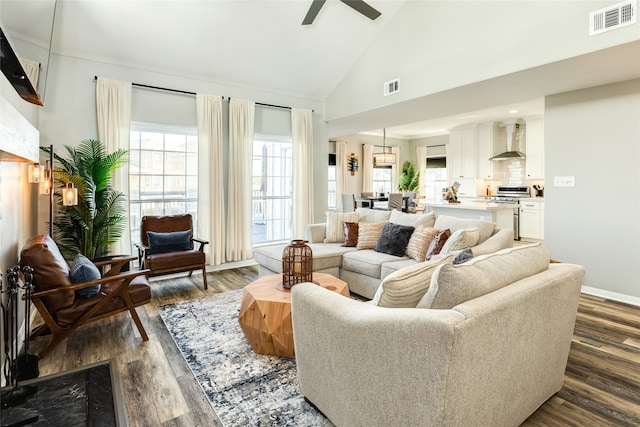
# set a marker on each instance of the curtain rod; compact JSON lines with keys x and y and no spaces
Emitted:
{"x":273,"y":106}
{"x":159,"y":88}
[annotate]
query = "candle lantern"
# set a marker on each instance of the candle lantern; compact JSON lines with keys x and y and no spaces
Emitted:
{"x":297,"y":264}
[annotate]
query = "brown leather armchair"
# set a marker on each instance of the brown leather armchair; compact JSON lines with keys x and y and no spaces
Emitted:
{"x":55,"y":297}
{"x":171,"y":257}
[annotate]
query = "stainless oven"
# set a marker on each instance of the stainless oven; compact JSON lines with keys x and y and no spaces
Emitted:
{"x":512,"y":195}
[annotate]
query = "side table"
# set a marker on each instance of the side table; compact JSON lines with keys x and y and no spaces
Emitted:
{"x":265,"y":313}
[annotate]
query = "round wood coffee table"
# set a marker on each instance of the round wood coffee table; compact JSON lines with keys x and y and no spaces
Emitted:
{"x":265,"y":313}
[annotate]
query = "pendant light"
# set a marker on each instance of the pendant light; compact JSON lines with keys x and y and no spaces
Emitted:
{"x":384,"y":158}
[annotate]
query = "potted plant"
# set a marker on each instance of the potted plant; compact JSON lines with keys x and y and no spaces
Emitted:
{"x":408,"y":180}
{"x":97,"y":220}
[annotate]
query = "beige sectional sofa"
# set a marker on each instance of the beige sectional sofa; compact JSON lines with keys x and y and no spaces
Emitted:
{"x":364,"y":269}
{"x":485,"y":345}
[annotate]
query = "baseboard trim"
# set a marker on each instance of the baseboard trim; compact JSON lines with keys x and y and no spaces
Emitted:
{"x":611,"y":295}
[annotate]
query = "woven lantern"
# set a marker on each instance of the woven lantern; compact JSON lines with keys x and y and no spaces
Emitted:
{"x":297,"y":264}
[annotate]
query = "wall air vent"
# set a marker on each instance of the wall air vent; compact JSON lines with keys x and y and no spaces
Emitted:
{"x":392,"y":86}
{"x":612,"y":17}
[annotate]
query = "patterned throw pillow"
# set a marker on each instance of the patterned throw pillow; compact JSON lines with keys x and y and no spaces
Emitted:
{"x":461,"y":239}
{"x":407,"y":286}
{"x":368,"y":234}
{"x":335,"y":229}
{"x":419,"y":242}
{"x":437,"y":243}
{"x":351,"y":234}
{"x":83,"y":270}
{"x":393,"y":239}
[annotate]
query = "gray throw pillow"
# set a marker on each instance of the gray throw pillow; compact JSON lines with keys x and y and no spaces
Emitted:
{"x":463,"y":256}
{"x":169,"y":242}
{"x":394,"y":239}
{"x":83,"y":270}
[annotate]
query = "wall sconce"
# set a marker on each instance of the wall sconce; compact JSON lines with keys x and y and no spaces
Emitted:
{"x":297,"y":264}
{"x":353,"y":164}
{"x":70,"y":195}
{"x":35,"y":173}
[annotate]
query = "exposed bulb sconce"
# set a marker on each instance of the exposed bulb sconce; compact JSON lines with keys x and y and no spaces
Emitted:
{"x":70,"y":195}
{"x":353,"y":164}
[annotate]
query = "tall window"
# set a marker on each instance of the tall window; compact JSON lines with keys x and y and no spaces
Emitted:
{"x":435,"y":178}
{"x":382,"y":179}
{"x":272,"y":189}
{"x":332,"y":203}
{"x":163,"y":172}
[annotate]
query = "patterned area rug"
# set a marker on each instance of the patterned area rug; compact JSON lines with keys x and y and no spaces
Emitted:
{"x":244,"y":388}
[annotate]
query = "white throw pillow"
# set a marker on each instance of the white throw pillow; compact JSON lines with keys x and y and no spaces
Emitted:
{"x":454,"y":224}
{"x":373,"y":215}
{"x":407,"y":286}
{"x":461,"y":239}
{"x":412,"y":219}
{"x":452,"y":285}
{"x":335,"y":228}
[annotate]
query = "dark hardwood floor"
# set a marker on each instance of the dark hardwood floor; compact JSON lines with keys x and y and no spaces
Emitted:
{"x":602,"y":381}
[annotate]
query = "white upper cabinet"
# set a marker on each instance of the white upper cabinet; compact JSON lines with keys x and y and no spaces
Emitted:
{"x":462,"y":153}
{"x":535,"y":148}
{"x":485,"y":141}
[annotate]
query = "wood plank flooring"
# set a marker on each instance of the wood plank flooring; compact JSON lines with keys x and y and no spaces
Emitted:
{"x":602,"y":380}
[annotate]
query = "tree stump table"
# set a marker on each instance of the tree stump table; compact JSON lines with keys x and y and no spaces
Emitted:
{"x":265,"y":313}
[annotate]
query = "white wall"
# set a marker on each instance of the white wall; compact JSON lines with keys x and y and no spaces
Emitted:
{"x":433,"y":46}
{"x":594,"y":136}
{"x":69,"y":117}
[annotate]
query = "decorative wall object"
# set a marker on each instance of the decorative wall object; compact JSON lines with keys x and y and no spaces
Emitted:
{"x":353,"y":164}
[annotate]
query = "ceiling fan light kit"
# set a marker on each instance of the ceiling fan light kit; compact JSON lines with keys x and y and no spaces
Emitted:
{"x":358,"y":5}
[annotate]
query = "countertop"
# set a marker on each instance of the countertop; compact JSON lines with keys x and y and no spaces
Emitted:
{"x":472,"y":205}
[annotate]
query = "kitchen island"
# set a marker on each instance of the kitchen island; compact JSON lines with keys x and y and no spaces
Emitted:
{"x":502,"y":214}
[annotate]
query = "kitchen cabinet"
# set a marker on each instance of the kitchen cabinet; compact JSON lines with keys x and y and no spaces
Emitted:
{"x":532,"y":219}
{"x":485,"y":141}
{"x":534,"y":166}
{"x":462,"y":153}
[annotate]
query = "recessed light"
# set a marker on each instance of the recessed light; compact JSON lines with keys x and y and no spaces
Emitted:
{"x":513,"y":111}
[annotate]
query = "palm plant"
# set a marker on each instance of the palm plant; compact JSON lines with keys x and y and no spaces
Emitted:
{"x":98,"y":219}
{"x":409,"y":178}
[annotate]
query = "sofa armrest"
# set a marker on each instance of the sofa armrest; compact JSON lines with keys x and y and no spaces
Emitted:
{"x":348,"y":351}
{"x":315,"y":233}
{"x":502,"y":238}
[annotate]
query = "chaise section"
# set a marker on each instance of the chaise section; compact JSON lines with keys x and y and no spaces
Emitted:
{"x":327,"y":258}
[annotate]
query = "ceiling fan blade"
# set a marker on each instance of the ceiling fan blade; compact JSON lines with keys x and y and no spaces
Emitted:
{"x":313,"y":12}
{"x":363,"y":8}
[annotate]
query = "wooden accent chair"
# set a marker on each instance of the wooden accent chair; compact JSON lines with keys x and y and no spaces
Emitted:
{"x":171,"y":247}
{"x":62,"y":310}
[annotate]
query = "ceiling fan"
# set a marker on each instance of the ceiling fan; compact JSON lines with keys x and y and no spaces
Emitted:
{"x":358,"y":5}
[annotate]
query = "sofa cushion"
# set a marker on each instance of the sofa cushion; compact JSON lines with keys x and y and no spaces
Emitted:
{"x":335,"y":228}
{"x":83,"y":270}
{"x":419,"y":242}
{"x":169,"y":242}
{"x":393,"y":266}
{"x":350,"y":234}
{"x":454,"y":224}
{"x":406,"y":287}
{"x":368,"y":234}
{"x":461,"y":239}
{"x":367,"y":262}
{"x":373,"y":215}
{"x":325,"y":256}
{"x":414,"y":220}
{"x":437,"y":243}
{"x":394,"y":238}
{"x":52,"y":271}
{"x":454,"y":284}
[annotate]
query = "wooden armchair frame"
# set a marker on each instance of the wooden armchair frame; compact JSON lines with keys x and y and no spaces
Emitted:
{"x":120,"y":289}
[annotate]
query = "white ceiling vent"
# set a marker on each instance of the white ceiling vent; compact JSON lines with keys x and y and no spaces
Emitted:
{"x":612,"y":17}
{"x":392,"y":86}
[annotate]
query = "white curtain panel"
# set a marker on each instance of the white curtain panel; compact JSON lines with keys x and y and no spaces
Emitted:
{"x":367,"y":168}
{"x":397,"y":168}
{"x":341,"y":172}
{"x":32,"y":68}
{"x":302,"y":170}
{"x":239,"y":237}
{"x":421,"y":166}
{"x":211,"y":207}
{"x":113,"y":107}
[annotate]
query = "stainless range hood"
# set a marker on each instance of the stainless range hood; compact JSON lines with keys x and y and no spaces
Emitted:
{"x":513,"y":130}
